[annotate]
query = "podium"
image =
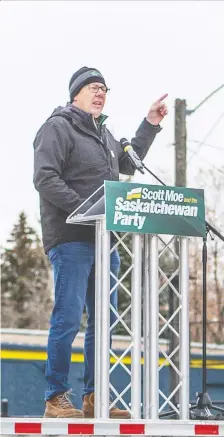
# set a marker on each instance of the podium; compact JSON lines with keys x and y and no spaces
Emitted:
{"x":123,"y":208}
{"x":154,"y":218}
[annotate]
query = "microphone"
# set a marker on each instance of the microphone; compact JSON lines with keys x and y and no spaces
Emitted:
{"x":134,"y":158}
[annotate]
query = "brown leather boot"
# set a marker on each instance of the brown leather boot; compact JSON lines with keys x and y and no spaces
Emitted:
{"x":61,"y":406}
{"x":88,"y":409}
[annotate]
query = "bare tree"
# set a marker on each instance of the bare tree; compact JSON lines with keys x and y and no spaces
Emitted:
{"x":213,"y":183}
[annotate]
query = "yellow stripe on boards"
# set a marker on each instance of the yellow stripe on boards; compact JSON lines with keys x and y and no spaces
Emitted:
{"x":26,"y":355}
{"x":34,"y":356}
{"x":23,"y":355}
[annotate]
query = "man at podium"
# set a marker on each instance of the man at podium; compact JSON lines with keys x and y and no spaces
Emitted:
{"x":74,"y":153}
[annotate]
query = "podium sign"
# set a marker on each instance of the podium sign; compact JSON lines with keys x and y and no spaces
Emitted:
{"x":152,"y":209}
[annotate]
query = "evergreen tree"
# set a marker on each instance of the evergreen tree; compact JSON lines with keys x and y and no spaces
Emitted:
{"x":26,"y":294}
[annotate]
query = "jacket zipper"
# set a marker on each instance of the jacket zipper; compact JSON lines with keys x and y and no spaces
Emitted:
{"x":101,"y":142}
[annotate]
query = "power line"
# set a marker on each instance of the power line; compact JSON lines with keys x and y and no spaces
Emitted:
{"x":213,"y":146}
{"x":206,"y":144}
{"x":211,"y":165}
{"x":206,"y":137}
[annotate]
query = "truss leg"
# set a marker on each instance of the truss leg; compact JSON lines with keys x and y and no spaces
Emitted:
{"x":184,"y":328}
{"x":154,"y":327}
{"x":105,"y":317}
{"x":98,"y":319}
{"x":146,"y":332}
{"x":136,"y":327}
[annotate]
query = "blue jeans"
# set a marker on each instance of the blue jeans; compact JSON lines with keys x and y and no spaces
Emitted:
{"x":74,"y":279}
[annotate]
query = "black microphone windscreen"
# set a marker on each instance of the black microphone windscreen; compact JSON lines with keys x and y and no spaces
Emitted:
{"x":124,"y":142}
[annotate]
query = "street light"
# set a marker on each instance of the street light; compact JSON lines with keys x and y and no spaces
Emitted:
{"x":190,"y":111}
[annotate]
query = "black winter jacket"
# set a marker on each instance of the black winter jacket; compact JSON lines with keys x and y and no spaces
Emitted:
{"x":72,"y":158}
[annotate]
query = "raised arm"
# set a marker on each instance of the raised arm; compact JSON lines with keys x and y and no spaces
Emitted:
{"x":145,"y":135}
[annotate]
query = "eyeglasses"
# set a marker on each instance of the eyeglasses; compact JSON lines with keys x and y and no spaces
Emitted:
{"x":95,"y":89}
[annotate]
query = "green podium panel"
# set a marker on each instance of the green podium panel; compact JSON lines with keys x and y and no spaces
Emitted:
{"x":152,"y":209}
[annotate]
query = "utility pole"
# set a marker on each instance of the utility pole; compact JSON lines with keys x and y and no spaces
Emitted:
{"x":181,"y":112}
{"x":180,"y":143}
{"x":180,"y":181}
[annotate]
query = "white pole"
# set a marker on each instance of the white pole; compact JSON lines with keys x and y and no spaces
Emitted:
{"x":98,"y":319}
{"x":184,"y":328}
{"x":136,"y":327}
{"x":146,"y":332}
{"x":105,"y":314}
{"x":154,"y":328}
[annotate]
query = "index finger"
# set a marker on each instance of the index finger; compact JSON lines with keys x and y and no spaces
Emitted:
{"x":162,"y":98}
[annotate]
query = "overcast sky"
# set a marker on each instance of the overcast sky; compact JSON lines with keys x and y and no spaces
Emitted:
{"x":144,"y":49}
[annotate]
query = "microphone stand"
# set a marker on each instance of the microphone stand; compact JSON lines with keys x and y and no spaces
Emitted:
{"x":201,"y":409}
